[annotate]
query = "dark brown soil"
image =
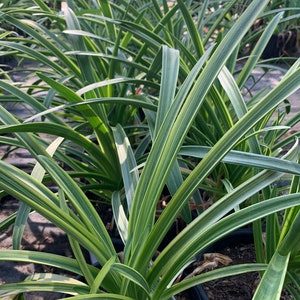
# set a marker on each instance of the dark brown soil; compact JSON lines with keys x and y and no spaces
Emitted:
{"x":235,"y":287}
{"x":241,"y":287}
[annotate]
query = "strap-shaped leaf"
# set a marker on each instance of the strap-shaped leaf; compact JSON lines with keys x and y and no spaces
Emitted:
{"x":133,"y":276}
{"x":127,"y":162}
{"x":247,"y":159}
{"x":172,"y":134}
{"x":47,"y":282}
{"x":38,"y":173}
{"x":271,"y":284}
{"x":120,"y":216}
{"x":207,"y":223}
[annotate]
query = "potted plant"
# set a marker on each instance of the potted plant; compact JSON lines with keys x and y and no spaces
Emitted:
{"x":135,"y":274}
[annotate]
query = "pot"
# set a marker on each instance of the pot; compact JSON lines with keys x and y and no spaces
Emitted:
{"x":194,"y":293}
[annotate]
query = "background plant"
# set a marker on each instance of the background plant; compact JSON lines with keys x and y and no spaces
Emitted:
{"x":98,"y":41}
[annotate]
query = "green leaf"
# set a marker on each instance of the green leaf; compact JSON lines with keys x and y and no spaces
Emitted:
{"x":38,"y":173}
{"x":80,"y":203}
{"x":271,"y":284}
{"x":209,"y":276}
{"x":218,"y":151}
{"x":62,"y":131}
{"x":195,"y":238}
{"x":192,"y":29}
{"x":291,"y":241}
{"x":246,"y":159}
{"x":206,"y":222}
{"x":170,"y":61}
{"x":49,"y":259}
{"x":258,"y":50}
{"x":90,"y":102}
{"x":170,"y":65}
{"x":120,"y":216}
{"x":132,"y":275}
{"x":53,"y":45}
{"x":137,"y":213}
{"x":77,"y":43}
{"x":75,"y":245}
{"x":172,"y":134}
{"x":102,"y":296}
{"x":46,"y":282}
{"x":26,"y":98}
{"x":4,"y":224}
{"x":127,"y":162}
{"x":99,"y":125}
{"x":101,"y":275}
{"x":39,"y":198}
{"x":27,"y":140}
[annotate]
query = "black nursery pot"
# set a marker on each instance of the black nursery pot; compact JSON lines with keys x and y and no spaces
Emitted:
{"x":239,"y":236}
{"x":196,"y":292}
{"x":7,"y":63}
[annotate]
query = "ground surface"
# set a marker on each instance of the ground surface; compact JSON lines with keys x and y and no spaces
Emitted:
{"x":40,"y":235}
{"x":241,"y":287}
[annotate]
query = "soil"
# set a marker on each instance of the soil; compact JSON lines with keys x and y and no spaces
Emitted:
{"x":241,"y":287}
{"x":235,"y":287}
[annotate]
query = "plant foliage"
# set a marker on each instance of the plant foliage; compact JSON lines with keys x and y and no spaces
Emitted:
{"x":142,"y":99}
